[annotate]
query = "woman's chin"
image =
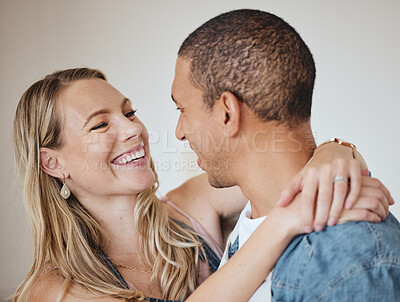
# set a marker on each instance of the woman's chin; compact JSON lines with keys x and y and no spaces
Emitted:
{"x":145,"y":182}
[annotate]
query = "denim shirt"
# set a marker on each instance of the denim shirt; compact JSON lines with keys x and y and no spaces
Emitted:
{"x":356,"y":261}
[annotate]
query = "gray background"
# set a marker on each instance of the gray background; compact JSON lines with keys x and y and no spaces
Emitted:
{"x":355,"y":44}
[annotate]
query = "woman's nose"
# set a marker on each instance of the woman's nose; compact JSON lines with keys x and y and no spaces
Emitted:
{"x":129,"y":130}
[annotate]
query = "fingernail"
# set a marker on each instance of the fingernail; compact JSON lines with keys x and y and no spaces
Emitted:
{"x":308,"y":229}
{"x":332,"y":221}
{"x":319,"y":228}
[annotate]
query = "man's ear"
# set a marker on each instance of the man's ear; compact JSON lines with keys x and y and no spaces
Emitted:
{"x":229,"y":113}
{"x":49,"y":163}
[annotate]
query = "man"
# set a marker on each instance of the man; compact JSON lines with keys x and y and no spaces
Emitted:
{"x":243,"y":83}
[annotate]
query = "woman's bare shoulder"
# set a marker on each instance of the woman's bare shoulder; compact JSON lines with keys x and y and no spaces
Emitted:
{"x":193,"y":197}
{"x":197,"y":196}
{"x":47,"y":287}
{"x":215,"y":209}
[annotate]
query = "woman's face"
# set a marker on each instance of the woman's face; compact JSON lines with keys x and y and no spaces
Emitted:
{"x":105,"y":148}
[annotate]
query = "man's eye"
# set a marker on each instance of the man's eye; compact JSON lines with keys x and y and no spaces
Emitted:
{"x":101,"y":125}
{"x":180,"y":109}
{"x":130,"y":113}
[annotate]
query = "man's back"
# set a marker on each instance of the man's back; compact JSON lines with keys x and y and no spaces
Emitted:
{"x":356,"y":261}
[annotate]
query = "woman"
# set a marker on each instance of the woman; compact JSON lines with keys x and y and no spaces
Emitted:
{"x":99,"y":229}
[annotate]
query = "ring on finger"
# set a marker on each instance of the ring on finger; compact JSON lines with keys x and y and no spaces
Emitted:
{"x":341,"y":178}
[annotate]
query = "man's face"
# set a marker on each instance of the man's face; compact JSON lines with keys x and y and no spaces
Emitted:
{"x":199,"y":126}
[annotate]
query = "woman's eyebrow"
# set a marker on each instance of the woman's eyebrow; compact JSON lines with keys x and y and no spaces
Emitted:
{"x":92,"y":115}
{"x":104,"y":111}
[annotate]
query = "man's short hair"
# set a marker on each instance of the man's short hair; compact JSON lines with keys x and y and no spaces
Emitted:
{"x":259,"y":58}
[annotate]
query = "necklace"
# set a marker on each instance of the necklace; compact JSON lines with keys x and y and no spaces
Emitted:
{"x":132,"y":268}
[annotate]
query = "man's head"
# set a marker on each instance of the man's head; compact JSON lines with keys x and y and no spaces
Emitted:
{"x":251,"y":56}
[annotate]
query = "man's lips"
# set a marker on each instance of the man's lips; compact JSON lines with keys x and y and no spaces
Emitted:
{"x":129,"y":155}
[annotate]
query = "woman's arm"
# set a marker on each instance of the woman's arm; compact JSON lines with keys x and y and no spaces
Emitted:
{"x":226,"y":202}
{"x":216,"y":209}
{"x":316,"y":182}
{"x":240,"y":277}
{"x":204,"y":202}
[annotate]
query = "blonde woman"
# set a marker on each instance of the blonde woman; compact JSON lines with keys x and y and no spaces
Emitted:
{"x":99,"y":230}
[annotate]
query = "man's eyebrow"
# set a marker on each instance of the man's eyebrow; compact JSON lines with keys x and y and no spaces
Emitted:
{"x":103,"y":111}
{"x":124,"y":101}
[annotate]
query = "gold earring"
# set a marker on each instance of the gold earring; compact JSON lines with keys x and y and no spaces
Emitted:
{"x":65,"y":191}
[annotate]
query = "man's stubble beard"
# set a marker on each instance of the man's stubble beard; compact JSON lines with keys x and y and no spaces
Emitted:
{"x":220,"y":176}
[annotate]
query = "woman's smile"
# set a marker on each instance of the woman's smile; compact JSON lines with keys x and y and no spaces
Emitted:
{"x":133,"y":157}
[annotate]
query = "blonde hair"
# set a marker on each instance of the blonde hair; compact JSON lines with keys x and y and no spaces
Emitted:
{"x":66,"y":237}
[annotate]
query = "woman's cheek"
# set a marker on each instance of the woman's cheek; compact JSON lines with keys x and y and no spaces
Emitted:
{"x":98,"y":144}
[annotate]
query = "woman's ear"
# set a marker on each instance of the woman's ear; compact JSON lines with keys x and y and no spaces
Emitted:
{"x":229,"y":113}
{"x":49,"y":163}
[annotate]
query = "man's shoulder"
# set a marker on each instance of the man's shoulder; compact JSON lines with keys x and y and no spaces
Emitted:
{"x":350,"y":238}
{"x":359,"y":240}
{"x":317,"y":260}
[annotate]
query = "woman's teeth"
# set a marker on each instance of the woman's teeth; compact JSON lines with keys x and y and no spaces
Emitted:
{"x":131,"y":156}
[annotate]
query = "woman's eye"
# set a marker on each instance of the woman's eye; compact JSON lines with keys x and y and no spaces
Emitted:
{"x":179,"y":109}
{"x":130,"y":113}
{"x":101,"y":125}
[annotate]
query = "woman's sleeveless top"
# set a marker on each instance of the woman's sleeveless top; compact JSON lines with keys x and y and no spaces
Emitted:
{"x":212,"y":250}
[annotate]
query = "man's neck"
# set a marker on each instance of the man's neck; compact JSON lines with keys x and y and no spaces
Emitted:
{"x":267,"y":172}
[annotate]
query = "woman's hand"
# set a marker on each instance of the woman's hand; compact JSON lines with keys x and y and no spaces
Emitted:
{"x":288,"y":219}
{"x":372,"y":204}
{"x":318,"y":186}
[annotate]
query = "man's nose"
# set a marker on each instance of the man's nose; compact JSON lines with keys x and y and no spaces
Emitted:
{"x":179,"y":130}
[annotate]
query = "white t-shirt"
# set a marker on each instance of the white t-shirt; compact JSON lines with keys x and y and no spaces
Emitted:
{"x":244,"y":228}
